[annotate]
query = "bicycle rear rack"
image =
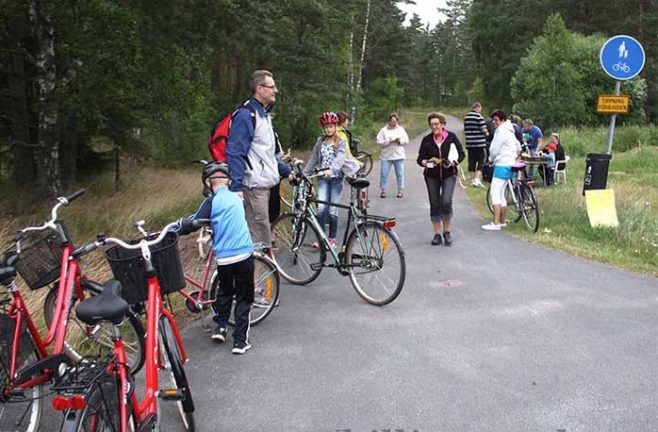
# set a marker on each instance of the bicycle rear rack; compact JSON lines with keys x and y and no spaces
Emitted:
{"x":82,"y":375}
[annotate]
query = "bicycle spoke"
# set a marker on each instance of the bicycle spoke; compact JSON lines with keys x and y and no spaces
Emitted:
{"x":377,"y":267}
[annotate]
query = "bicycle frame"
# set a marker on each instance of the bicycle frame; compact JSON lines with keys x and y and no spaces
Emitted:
{"x":208,"y":269}
{"x":69,"y":280}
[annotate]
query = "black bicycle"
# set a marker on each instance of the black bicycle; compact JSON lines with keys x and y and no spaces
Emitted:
{"x":370,"y":254}
{"x":363,"y":157}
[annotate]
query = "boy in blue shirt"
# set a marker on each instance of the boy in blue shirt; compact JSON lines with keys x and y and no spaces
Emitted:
{"x":233,"y":249}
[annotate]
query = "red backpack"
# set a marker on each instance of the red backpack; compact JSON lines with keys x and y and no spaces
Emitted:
{"x":219,"y":134}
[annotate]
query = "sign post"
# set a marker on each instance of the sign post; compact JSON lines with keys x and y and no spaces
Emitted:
{"x":622,"y":57}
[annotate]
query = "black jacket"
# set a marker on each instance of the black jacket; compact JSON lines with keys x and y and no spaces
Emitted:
{"x":429,"y":149}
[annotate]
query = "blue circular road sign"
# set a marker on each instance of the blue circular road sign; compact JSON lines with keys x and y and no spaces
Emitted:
{"x":622,"y":57}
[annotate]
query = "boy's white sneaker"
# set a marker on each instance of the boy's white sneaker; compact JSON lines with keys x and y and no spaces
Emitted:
{"x":491,"y":227}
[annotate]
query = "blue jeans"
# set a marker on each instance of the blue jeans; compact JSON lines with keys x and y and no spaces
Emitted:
{"x":329,"y":190}
{"x":398,"y":164}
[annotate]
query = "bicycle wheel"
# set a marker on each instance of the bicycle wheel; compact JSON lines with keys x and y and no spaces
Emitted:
{"x":508,"y":198}
{"x":172,"y":363}
{"x":204,"y":241}
{"x":376,"y":263}
{"x":266,"y":290}
{"x":298,"y":261}
{"x":82,"y":339}
{"x":529,"y":207}
{"x":366,"y":160}
{"x":20,"y":411}
{"x":101,"y":414}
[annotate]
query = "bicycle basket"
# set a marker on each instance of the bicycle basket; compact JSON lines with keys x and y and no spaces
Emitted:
{"x":128,"y":267}
{"x":40,"y":259}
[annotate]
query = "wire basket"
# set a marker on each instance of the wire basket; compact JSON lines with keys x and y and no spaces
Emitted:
{"x":40,"y":259}
{"x":129,"y":268}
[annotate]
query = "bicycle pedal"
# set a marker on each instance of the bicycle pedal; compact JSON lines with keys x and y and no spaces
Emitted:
{"x":172,"y":394}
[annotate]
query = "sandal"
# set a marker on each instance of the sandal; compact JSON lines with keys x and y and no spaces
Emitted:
{"x":400,"y":194}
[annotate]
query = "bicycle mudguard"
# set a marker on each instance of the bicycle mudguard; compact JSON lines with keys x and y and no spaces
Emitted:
{"x":51,"y":362}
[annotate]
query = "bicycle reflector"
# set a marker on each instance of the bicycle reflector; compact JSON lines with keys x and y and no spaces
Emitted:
{"x":389,"y":223}
{"x":63,"y":403}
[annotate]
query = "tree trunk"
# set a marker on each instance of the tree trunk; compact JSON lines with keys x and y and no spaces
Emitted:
{"x":350,"y":69}
{"x":20,"y":141}
{"x":69,"y":149}
{"x":47,"y":157}
{"x":363,"y":56}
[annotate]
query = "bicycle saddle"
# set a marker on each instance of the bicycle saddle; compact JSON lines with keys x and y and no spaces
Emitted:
{"x":107,"y":306}
{"x":358,"y":183}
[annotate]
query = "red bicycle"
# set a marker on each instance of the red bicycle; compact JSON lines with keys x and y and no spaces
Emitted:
{"x":97,"y":394}
{"x":43,"y":255}
{"x":266,"y":285}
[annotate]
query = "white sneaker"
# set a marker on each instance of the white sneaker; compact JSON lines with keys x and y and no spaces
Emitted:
{"x":478,"y":183}
{"x":491,"y":227}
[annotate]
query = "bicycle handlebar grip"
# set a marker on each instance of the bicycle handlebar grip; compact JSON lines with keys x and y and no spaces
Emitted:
{"x":74,"y":195}
{"x":85,"y":250}
{"x":19,"y":236}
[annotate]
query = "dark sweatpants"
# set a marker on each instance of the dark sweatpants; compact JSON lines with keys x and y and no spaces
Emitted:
{"x":237,"y":280}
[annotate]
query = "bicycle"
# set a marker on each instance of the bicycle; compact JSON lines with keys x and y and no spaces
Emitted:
{"x":520,"y":192}
{"x":266,"y":284}
{"x":43,"y":255}
{"x":99,"y":393}
{"x":365,"y":249}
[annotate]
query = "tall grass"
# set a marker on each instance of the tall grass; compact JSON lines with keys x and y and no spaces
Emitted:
{"x":156,"y":195}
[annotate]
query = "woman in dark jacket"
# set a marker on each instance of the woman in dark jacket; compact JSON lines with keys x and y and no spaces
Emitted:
{"x":439,"y":154}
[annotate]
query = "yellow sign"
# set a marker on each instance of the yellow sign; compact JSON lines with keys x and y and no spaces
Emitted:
{"x":609,"y":104}
{"x":601,"y":208}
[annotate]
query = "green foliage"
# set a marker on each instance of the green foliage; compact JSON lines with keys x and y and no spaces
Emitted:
{"x":383,"y":97}
{"x":559,"y":79}
{"x":578,"y":142}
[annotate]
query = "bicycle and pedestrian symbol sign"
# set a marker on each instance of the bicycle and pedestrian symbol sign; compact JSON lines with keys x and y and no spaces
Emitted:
{"x":622,"y":57}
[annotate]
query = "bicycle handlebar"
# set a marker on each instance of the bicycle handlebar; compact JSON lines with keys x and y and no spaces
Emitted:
{"x":142,"y":243}
{"x":50,"y":224}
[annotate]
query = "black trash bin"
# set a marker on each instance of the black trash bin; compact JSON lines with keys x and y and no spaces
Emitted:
{"x":596,"y":171}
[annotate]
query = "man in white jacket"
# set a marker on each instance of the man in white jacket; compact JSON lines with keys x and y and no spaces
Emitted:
{"x":392,"y":139}
{"x":503,"y":152}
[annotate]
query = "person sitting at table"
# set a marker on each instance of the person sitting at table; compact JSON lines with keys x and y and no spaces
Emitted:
{"x":551,"y":153}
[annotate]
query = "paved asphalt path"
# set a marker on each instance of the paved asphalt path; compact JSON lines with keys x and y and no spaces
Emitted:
{"x":491,"y":334}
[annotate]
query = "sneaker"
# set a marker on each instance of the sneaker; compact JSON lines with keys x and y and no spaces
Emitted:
{"x":332,"y":242}
{"x":436,"y":240}
{"x":491,"y":227}
{"x":241,"y":347}
{"x":219,"y":334}
{"x":260,"y":303}
{"x":478,"y":183}
{"x":447,"y":238}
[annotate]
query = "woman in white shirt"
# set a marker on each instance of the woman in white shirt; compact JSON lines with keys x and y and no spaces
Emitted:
{"x":392,"y":140}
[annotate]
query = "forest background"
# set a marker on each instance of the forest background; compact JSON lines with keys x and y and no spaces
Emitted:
{"x":87,"y":84}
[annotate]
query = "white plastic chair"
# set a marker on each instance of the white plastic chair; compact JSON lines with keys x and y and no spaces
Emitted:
{"x":561,"y":169}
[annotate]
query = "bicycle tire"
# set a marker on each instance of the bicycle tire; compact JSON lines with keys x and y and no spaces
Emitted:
{"x":529,"y":208}
{"x":297,"y":260}
{"x":508,"y":197}
{"x":266,"y":280}
{"x":172,"y":363}
{"x":366,"y":160}
{"x":132,"y":331}
{"x":19,"y":413}
{"x":374,"y":241}
{"x":101,"y":412}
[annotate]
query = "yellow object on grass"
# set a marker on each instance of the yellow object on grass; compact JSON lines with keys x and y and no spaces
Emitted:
{"x":601,"y":208}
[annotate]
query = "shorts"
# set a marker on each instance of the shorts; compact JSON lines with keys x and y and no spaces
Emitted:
{"x":476,"y":158}
{"x":257,"y":213}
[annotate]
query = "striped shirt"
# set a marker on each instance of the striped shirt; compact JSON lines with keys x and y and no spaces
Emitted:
{"x":473,"y":125}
